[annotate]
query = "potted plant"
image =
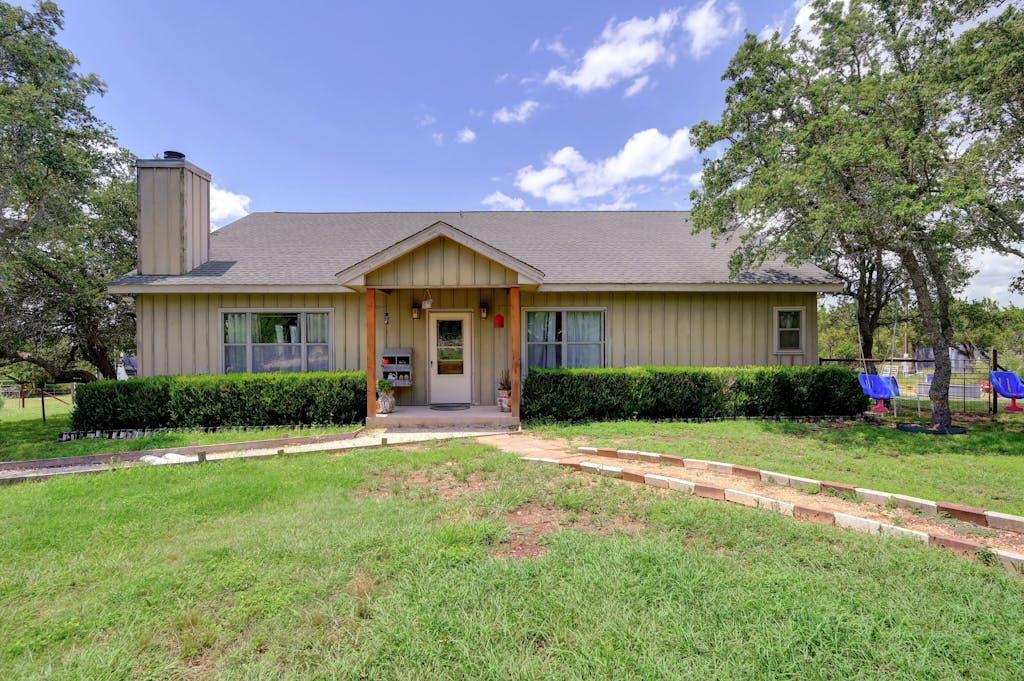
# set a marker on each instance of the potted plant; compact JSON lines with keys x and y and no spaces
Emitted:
{"x":504,"y":391}
{"x":385,"y":397}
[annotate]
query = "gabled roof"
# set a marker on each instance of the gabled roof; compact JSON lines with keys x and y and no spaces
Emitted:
{"x":352,"y":276}
{"x":563,"y":250}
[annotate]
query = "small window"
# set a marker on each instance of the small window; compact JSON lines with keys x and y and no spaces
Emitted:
{"x":789,"y":329}
{"x":565,"y":338}
{"x":261,"y":341}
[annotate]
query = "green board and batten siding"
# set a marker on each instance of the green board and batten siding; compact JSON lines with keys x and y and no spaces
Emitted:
{"x":182,"y":333}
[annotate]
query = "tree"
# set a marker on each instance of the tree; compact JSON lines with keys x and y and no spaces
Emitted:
{"x":67,"y":208}
{"x":55,"y":311}
{"x":851,"y":139}
{"x":872,"y":280}
{"x":52,"y":146}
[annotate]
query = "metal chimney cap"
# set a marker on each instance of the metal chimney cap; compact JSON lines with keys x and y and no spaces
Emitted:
{"x":176,"y":155}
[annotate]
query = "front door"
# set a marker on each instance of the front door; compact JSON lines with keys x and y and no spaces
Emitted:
{"x":450,"y":359}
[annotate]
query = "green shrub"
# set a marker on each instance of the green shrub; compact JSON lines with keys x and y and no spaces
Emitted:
{"x":227,"y":400}
{"x":684,"y":392}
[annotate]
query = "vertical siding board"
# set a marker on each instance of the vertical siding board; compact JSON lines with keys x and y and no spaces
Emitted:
{"x":188,"y":334}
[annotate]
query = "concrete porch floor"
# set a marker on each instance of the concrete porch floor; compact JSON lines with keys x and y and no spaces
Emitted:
{"x":477,"y":416}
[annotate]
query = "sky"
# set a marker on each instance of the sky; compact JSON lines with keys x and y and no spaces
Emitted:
{"x":427,"y":106}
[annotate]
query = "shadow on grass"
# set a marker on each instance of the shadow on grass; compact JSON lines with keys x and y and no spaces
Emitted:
{"x":981,"y":438}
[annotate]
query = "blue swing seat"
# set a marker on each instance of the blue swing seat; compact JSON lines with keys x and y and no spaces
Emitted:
{"x":1007,"y":384}
{"x":879,"y":387}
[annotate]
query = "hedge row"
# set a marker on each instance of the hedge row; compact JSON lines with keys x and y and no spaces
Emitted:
{"x":682,"y":392}
{"x":227,"y":400}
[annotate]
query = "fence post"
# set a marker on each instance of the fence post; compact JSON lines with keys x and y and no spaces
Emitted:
{"x":992,"y":389}
{"x":42,"y":400}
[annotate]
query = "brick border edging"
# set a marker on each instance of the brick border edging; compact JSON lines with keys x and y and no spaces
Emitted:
{"x":970,"y":514}
{"x":1012,"y":562}
{"x":190,"y":450}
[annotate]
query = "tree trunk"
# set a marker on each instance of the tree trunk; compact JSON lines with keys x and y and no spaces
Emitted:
{"x":934,"y":319}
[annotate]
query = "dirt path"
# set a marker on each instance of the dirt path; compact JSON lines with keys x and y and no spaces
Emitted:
{"x":562,"y":450}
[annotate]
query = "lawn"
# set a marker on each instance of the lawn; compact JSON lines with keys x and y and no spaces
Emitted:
{"x":23,"y":435}
{"x":984,"y":467}
{"x":391,"y":564}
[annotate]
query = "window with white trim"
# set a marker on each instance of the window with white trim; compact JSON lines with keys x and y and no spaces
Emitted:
{"x":789,"y":330}
{"x":263,"y":341}
{"x":565,"y":338}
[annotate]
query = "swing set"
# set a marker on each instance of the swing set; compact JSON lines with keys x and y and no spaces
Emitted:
{"x":884,"y":388}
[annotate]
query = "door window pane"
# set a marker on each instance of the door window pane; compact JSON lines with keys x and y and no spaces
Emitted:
{"x":276,"y":358}
{"x":275,"y":328}
{"x":317,"y":329}
{"x":234,"y":359}
{"x":318,"y":358}
{"x":234,"y":327}
{"x":450,"y":347}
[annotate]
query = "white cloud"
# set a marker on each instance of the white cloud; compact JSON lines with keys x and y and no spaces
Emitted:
{"x":438,"y":138}
{"x":557,"y":47}
{"x":696,"y":179}
{"x":637,"y":85}
{"x":501,"y":78}
{"x":518,"y":114}
{"x":426,"y":121}
{"x":535,"y":45}
{"x":502,"y":201}
{"x":708,"y":26}
{"x":624,"y":51}
{"x":995,"y":273}
{"x":465,"y":136}
{"x":226,"y":206}
{"x":568,"y":178}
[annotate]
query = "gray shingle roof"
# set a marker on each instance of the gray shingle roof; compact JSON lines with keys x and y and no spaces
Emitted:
{"x":570,"y":247}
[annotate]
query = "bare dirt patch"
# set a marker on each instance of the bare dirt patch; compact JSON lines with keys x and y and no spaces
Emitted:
{"x":532,"y":522}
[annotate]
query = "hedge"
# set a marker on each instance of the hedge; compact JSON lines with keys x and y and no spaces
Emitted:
{"x":683,"y":392}
{"x":225,"y":400}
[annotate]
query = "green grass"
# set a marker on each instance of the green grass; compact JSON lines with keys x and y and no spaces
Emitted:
{"x":23,"y":435}
{"x":335,"y":567}
{"x":984,"y":467}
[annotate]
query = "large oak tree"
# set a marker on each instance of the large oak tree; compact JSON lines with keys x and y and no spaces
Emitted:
{"x":856,"y":137}
{"x":67,"y":208}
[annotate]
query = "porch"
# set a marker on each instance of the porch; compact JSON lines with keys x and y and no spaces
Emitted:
{"x":418,"y":416}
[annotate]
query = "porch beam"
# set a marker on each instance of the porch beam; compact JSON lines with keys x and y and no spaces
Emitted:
{"x":515,"y":371}
{"x":371,"y":352}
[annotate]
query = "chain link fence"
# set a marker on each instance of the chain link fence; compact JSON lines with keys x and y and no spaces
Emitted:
{"x":970,"y":391}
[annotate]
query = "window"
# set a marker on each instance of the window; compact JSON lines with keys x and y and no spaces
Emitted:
{"x":564,"y":338}
{"x":264,"y":341}
{"x":789,"y":330}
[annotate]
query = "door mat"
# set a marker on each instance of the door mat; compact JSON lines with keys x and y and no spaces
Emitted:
{"x":449,"y":407}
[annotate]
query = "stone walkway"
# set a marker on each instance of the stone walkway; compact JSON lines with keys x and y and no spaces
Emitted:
{"x":530,"y":446}
{"x":366,"y":439}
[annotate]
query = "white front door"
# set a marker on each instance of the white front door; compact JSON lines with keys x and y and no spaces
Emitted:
{"x":450,"y":358}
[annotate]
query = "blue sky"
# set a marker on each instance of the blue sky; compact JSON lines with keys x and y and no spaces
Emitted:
{"x":417,"y":106}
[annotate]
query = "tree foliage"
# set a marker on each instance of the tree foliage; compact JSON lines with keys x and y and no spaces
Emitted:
{"x":67,"y":208}
{"x":854,"y":138}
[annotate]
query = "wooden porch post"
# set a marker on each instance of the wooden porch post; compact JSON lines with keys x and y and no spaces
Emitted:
{"x":515,"y":370}
{"x":371,"y":352}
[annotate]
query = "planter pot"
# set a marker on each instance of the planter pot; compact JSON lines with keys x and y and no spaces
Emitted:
{"x":386,"y":403}
{"x":504,"y":400}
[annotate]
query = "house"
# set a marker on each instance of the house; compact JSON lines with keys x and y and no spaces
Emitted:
{"x":442,"y":303}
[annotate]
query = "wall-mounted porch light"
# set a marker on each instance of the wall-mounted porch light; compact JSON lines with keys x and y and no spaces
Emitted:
{"x":415,"y":310}
{"x":483,"y":310}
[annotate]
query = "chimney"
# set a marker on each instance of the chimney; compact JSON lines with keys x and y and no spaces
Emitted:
{"x":174,"y":214}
